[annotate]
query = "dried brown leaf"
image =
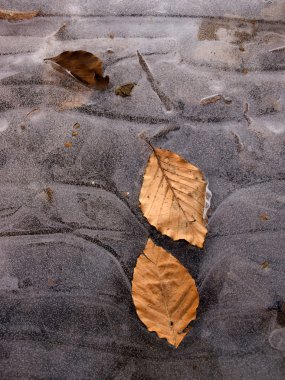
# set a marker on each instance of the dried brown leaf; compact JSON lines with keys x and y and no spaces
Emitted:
{"x":265,"y":264}
{"x":214,"y":99}
{"x":164,"y":294}
{"x":172,"y":197}
{"x":13,"y":15}
{"x":84,"y":66}
{"x":264,"y":217}
{"x":49,"y":193}
{"x":125,"y":89}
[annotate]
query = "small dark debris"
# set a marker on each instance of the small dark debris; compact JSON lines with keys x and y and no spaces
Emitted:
{"x":125,"y":89}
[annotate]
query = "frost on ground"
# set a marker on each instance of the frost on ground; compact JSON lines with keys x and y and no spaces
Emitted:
{"x":71,"y":164}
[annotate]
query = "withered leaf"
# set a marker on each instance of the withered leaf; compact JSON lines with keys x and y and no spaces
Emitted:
{"x":264,"y":217}
{"x":214,"y":99}
{"x":49,"y":193}
{"x":13,"y":15}
{"x":125,"y":89}
{"x":84,"y":66}
{"x":164,"y":294}
{"x":172,"y":197}
{"x":265,"y":264}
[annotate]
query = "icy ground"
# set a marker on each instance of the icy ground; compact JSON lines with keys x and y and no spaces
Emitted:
{"x":70,"y":225}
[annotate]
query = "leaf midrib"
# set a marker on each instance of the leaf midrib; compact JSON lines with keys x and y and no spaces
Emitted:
{"x":169,"y":184}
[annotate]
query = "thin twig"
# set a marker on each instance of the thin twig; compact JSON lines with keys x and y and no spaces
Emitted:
{"x":154,"y":85}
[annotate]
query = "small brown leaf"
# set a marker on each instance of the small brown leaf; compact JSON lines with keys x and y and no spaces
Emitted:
{"x":76,"y":125}
{"x":16,"y":15}
{"x":264,"y":217}
{"x":173,"y":197}
{"x":74,"y":133}
{"x":68,"y":144}
{"x":245,"y":71}
{"x":214,"y":99}
{"x":49,"y":194}
{"x":125,"y":89}
{"x":164,"y":294}
{"x":265,"y":264}
{"x":84,"y":66}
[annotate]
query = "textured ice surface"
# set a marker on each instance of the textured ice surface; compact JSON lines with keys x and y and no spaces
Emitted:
{"x":70,"y":224}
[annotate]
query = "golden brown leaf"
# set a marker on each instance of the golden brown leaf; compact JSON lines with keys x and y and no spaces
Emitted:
{"x":16,"y":15}
{"x":125,"y":89}
{"x":164,"y":294}
{"x":84,"y":66}
{"x":264,"y":217}
{"x":172,"y":197}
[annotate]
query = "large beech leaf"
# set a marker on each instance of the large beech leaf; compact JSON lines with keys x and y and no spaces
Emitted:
{"x":84,"y":66}
{"x":16,"y":15}
{"x":164,"y":294}
{"x":173,"y":197}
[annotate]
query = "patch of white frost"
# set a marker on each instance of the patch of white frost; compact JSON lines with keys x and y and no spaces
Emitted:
{"x":3,"y":124}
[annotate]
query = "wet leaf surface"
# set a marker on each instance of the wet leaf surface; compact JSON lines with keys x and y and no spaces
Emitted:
{"x":84,"y":66}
